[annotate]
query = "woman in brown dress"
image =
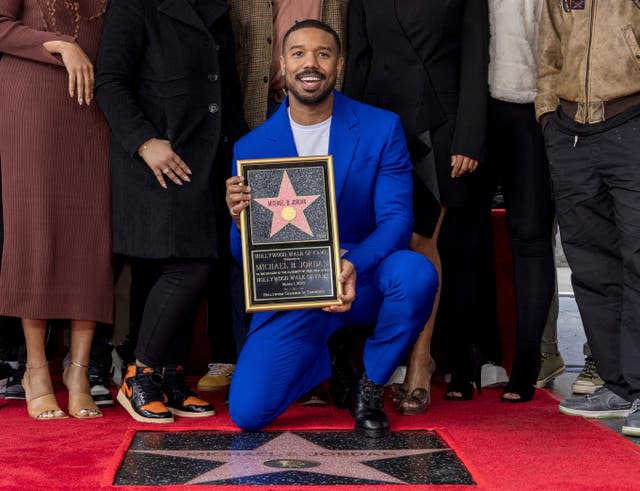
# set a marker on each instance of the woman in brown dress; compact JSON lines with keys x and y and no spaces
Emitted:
{"x":56,"y":261}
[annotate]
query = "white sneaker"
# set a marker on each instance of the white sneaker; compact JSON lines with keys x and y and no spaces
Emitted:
{"x":493,"y":375}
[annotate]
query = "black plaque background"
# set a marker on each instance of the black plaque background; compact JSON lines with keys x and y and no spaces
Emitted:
{"x":308,"y":177}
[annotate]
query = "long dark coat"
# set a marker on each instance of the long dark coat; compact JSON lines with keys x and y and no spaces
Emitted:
{"x":423,"y":59}
{"x":427,"y":61}
{"x":167,"y":71}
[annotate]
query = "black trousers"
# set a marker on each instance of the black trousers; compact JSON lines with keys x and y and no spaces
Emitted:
{"x":596,"y":184}
{"x":165,"y":294}
{"x":460,"y":322}
{"x":227,"y":326}
{"x":518,"y":158}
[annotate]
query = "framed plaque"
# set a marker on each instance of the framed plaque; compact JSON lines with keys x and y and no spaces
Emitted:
{"x":290,"y":246}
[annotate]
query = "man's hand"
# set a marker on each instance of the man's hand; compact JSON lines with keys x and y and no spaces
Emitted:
{"x":237,"y":196}
{"x":462,"y":164}
{"x":348,"y":280}
{"x":163,"y":161}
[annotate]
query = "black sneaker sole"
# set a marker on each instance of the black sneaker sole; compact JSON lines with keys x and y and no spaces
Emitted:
{"x":15,"y":397}
{"x":104,"y":401}
{"x":125,"y":403}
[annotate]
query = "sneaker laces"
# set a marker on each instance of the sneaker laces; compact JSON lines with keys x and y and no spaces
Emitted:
{"x":635,"y":407}
{"x":371,"y":392}
{"x":596,"y":393}
{"x":220,"y":369}
{"x":149,"y":388}
{"x":589,"y":370}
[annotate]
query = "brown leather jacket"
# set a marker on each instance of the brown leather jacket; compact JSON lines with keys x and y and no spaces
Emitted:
{"x":589,"y":56}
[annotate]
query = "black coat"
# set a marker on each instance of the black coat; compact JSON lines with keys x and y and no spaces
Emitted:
{"x":423,"y":59}
{"x":167,"y":71}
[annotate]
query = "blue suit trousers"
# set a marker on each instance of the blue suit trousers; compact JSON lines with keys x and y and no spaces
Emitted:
{"x":286,"y":353}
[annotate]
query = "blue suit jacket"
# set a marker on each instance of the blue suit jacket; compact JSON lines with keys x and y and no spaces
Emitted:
{"x":372,"y":173}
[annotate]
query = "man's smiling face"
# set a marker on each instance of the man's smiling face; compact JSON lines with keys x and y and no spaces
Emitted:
{"x":310,"y":62}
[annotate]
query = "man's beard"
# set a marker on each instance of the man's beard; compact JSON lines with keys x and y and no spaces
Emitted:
{"x":310,"y":99}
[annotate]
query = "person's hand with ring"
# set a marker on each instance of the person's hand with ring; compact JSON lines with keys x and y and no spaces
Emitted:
{"x":163,"y":161}
{"x":237,"y":196}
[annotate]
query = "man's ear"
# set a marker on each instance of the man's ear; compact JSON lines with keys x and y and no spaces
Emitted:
{"x":282,"y":65}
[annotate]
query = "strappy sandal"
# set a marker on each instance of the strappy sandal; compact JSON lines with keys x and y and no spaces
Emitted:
{"x":81,"y":404}
{"x":44,"y":407}
{"x":399,"y":394}
{"x":416,"y":402}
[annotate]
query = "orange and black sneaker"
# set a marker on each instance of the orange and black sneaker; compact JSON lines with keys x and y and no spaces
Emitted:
{"x":141,"y":395}
{"x":181,"y":400}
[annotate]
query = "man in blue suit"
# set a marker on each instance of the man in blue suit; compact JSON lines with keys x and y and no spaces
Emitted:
{"x":286,"y":353}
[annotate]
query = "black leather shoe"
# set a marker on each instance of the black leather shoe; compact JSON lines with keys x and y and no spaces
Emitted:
{"x":368,"y":409}
{"x":343,"y":381}
{"x":181,"y":400}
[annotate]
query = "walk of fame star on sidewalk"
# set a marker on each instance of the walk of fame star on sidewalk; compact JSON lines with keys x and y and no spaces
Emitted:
{"x":288,"y":207}
{"x":290,"y":452}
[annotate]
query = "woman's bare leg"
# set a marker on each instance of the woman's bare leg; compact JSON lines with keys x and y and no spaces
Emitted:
{"x":41,"y":403}
{"x":76,"y":375}
{"x":420,"y":363}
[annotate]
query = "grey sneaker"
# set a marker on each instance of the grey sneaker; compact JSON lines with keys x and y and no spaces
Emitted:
{"x":588,"y":380}
{"x":603,"y":403}
{"x":631,"y":426}
{"x":551,"y":366}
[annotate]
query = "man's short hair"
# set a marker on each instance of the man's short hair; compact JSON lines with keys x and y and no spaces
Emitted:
{"x":315,"y":24}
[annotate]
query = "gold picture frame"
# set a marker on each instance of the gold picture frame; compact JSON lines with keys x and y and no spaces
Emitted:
{"x":290,"y":244}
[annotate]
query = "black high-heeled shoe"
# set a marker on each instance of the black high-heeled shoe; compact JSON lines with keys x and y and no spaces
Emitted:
{"x":459,"y":391}
{"x":523,"y":377}
{"x":461,"y":383}
{"x":525,"y":393}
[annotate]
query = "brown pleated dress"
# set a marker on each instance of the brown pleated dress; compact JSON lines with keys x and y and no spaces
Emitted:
{"x":56,"y":259}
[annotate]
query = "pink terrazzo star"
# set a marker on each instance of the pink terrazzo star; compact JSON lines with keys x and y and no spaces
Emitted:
{"x":288,"y":207}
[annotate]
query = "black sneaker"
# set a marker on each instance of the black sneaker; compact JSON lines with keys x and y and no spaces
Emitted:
{"x":179,"y":398}
{"x":141,"y":396}
{"x":99,"y":368}
{"x":14,"y":384}
{"x":5,"y":373}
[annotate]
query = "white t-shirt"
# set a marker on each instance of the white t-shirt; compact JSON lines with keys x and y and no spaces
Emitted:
{"x":311,"y":139}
